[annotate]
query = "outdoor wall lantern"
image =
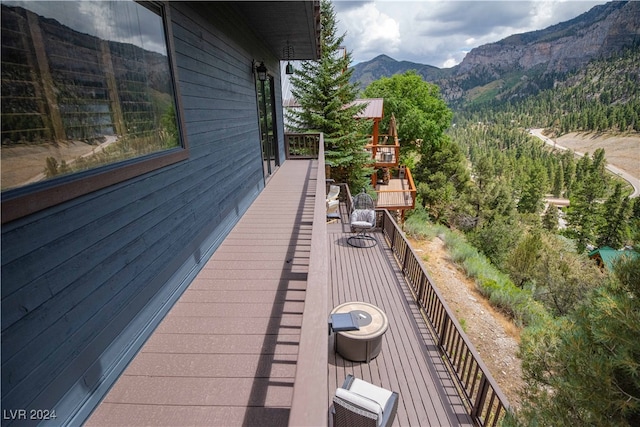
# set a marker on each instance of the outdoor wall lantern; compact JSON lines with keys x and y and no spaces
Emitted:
{"x":289,"y":69}
{"x":262,"y":72}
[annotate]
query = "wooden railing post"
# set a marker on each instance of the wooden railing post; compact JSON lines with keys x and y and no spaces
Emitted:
{"x":422,"y":289}
{"x":407,"y":252}
{"x":442,"y":332}
{"x":480,"y":398}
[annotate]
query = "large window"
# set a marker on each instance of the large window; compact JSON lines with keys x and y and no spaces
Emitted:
{"x":87,"y":89}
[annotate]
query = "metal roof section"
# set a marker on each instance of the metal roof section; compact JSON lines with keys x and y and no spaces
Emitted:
{"x":374,"y":108}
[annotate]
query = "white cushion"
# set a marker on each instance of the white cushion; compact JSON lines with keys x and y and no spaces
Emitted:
{"x":333,"y":205}
{"x":363,"y":218}
{"x":334,"y":191}
{"x":370,"y":391}
{"x":360,"y":401}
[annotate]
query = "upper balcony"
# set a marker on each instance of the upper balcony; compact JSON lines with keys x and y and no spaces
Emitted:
{"x":247,"y":342}
{"x":385,"y":150}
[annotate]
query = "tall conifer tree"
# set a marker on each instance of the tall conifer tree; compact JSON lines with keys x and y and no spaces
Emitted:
{"x":617,"y":210}
{"x":325,"y":95}
{"x":582,"y":370}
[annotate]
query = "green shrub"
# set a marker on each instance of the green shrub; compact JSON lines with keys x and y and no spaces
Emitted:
{"x":495,"y":285}
{"x":419,"y":227}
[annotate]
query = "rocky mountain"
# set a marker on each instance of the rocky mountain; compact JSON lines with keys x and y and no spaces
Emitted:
{"x":523,"y":64}
{"x":383,"y":65}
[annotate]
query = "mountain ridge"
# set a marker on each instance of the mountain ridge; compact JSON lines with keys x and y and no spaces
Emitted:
{"x":524,"y":63}
{"x":383,"y":65}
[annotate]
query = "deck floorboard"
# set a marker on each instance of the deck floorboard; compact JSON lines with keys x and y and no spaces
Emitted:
{"x":226,"y":353}
{"x":395,"y":194}
{"x":409,"y":362}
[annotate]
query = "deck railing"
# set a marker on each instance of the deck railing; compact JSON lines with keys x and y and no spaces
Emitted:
{"x":301,"y":145}
{"x":398,"y":198}
{"x":483,"y":398}
{"x":311,"y":378}
{"x":384,"y":152}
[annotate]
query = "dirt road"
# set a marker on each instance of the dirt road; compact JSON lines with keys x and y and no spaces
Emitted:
{"x":622,"y":153}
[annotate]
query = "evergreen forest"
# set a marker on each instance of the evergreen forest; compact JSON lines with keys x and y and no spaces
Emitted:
{"x":578,"y":368}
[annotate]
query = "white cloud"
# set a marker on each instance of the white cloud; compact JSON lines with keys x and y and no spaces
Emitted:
{"x":450,"y":63}
{"x":440,"y":33}
{"x":125,"y":22}
{"x":369,"y":30}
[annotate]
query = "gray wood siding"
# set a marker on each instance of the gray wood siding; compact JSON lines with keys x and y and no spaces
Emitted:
{"x":84,"y":283}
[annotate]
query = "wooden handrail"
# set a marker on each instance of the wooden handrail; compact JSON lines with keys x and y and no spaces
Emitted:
{"x":481,"y":394}
{"x":412,"y":187}
{"x":309,"y":406}
{"x":381,"y":138}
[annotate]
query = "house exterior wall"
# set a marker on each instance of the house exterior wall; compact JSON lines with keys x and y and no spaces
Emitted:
{"x":85,"y":282}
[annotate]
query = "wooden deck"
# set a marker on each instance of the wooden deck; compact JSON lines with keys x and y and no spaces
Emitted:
{"x":394,"y":195}
{"x":227,"y":352}
{"x":409,"y":362}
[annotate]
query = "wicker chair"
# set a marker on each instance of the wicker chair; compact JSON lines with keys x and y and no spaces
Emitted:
{"x":359,"y":403}
{"x":363,"y":219}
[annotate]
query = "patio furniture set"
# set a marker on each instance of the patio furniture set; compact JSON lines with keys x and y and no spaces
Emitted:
{"x":359,"y":328}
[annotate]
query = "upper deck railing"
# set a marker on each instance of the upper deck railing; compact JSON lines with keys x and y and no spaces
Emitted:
{"x":385,"y":152}
{"x":302,"y":145}
{"x":483,"y":398}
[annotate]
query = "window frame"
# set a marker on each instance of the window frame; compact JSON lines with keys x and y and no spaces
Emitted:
{"x":23,"y":201}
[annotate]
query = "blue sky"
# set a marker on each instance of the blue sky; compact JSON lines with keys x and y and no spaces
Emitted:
{"x":440,"y":33}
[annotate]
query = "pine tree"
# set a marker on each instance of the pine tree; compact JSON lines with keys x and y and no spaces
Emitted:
{"x":443,"y":176}
{"x":558,"y":181}
{"x":583,"y":369}
{"x":532,"y":200}
{"x":584,"y":215}
{"x":550,"y":218}
{"x":325,"y":95}
{"x":634,"y":220}
{"x":569,"y":173}
{"x":617,"y":212}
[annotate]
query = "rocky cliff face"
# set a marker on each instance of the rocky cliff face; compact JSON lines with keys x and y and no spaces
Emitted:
{"x":563,"y":47}
{"x":525,"y":63}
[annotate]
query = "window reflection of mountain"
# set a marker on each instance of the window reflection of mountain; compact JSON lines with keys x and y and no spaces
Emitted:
{"x":106,"y":20}
{"x":73,"y":94}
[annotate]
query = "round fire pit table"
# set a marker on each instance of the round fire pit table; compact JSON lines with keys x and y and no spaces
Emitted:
{"x":363,"y":344}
